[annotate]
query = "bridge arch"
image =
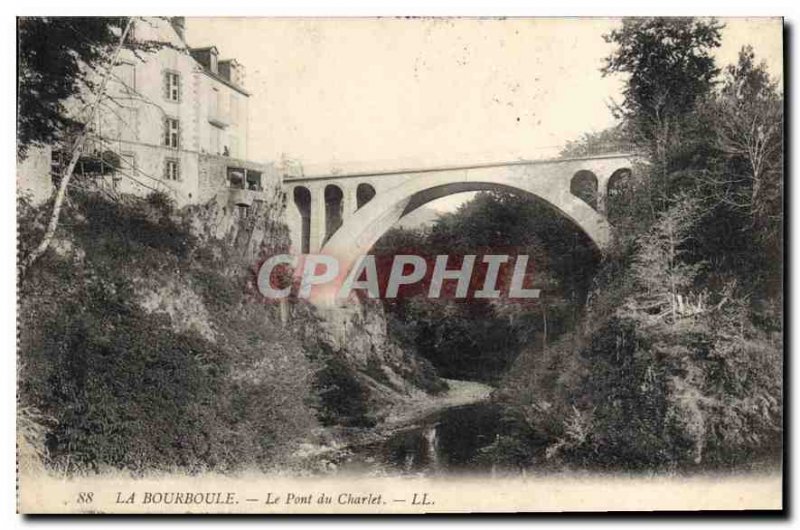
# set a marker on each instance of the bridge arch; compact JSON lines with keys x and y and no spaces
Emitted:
{"x":364,"y":193}
{"x":302,"y":201}
{"x":357,"y":223}
{"x":365,"y":226}
{"x":615,"y":189}
{"x":334,"y":206}
{"x":584,"y":186}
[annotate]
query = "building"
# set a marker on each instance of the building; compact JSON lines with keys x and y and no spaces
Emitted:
{"x":176,"y":120}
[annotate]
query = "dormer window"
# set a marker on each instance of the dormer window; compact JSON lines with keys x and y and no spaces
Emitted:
{"x":207,"y":57}
{"x":231,"y":70}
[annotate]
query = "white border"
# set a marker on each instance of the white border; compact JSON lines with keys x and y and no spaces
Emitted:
{"x":789,"y":9}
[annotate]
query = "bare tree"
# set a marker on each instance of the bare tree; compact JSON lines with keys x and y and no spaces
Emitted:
{"x":750,"y":128}
{"x":77,"y":151}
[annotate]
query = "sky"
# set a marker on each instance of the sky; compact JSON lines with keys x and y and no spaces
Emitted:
{"x":341,"y":95}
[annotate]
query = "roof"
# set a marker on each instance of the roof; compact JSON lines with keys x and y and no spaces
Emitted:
{"x":205,"y":48}
{"x":224,"y":81}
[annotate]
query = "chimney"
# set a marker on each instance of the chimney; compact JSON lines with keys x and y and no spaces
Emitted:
{"x":179,"y":25}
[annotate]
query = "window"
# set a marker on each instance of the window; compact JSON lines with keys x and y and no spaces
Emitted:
{"x":172,"y":169}
{"x":172,"y":86}
{"x":253,"y":180}
{"x":132,"y":32}
{"x":243,"y":210}
{"x":172,"y":132}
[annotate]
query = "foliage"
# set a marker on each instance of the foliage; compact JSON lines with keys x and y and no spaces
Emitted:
{"x":611,"y":140}
{"x":478,"y":339}
{"x":749,"y":134}
{"x":669,"y":67}
{"x":56,"y":55}
{"x":132,"y":387}
{"x":678,"y":363}
{"x":342,"y":396}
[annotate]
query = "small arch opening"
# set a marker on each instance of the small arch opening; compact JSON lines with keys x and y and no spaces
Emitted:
{"x":364,"y":193}
{"x":333,"y":209}
{"x":302,"y":200}
{"x":584,"y":186}
{"x":616,"y":191}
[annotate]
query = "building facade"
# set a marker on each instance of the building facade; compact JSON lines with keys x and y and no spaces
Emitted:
{"x":176,"y":120}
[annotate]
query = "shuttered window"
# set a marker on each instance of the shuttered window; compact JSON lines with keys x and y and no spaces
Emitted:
{"x":172,"y":86}
{"x":172,"y":169}
{"x":172,"y":132}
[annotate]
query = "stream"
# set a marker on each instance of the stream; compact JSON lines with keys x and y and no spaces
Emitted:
{"x":446,"y":441}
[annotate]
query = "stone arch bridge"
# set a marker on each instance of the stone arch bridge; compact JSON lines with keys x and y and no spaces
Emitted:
{"x":345,"y":215}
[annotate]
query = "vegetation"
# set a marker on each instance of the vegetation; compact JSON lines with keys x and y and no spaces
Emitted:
{"x":612,"y":140}
{"x":142,"y":343}
{"x":675,"y":361}
{"x":141,"y":349}
{"x":65,"y":64}
{"x":478,"y":339}
{"x":680,"y":360}
{"x":57,"y":56}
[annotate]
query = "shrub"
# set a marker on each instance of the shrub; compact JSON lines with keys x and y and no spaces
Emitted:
{"x":127,"y":388}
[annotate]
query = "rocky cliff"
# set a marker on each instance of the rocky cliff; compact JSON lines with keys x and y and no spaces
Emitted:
{"x":143,"y":318}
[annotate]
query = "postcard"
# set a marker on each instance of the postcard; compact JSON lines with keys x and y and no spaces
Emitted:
{"x":399,"y":265}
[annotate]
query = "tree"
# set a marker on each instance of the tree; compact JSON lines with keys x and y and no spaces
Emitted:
{"x":609,"y":140}
{"x":478,"y":338}
{"x":749,"y":127}
{"x":663,"y":277}
{"x":670,"y":71}
{"x":111,"y":57}
{"x":679,"y":359}
{"x":670,"y":68}
{"x":57,"y":59}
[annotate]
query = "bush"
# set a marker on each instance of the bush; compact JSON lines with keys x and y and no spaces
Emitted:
{"x":343,"y":398}
{"x":128,"y":388}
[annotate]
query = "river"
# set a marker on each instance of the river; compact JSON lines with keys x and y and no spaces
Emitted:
{"x":449,"y":440}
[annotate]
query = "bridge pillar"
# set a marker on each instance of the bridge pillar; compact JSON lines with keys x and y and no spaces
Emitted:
{"x":350,"y":203}
{"x":602,"y":192}
{"x":317,"y":228}
{"x":601,"y":200}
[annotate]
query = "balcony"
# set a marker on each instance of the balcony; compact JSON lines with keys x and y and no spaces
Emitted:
{"x":217,"y":119}
{"x":245,"y":185}
{"x":244,"y":197}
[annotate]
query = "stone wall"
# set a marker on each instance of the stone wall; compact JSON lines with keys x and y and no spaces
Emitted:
{"x":213,"y":171}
